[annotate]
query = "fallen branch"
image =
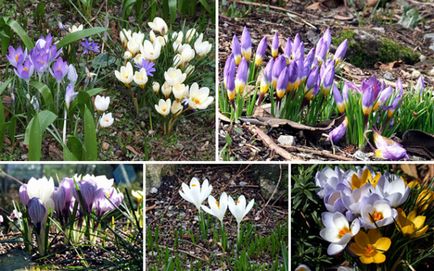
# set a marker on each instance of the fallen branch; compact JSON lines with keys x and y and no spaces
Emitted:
{"x":323,"y":153}
{"x":268,"y":141}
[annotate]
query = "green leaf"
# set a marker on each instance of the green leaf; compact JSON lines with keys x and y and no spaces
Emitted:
{"x":206,"y":6}
{"x":16,"y":27}
{"x":75,"y":147}
{"x":4,"y":85}
{"x":103,"y":61}
{"x":35,"y":141}
{"x":90,"y":143}
{"x":46,"y":94}
{"x":73,"y":37}
{"x":94,"y":91}
{"x":68,"y":155}
{"x":2,"y":124}
{"x":45,"y":118}
{"x":172,"y":10}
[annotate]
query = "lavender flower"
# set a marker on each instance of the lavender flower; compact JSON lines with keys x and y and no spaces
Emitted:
{"x":341,"y":51}
{"x":279,"y":65}
{"x":275,"y":45}
{"x":107,"y":200}
{"x":89,"y":46}
{"x":16,"y":56}
{"x":420,"y":85}
{"x":246,"y":44}
{"x":367,"y":103}
{"x":388,"y":149}
{"x":321,"y":51}
{"x":241,"y":77}
{"x":236,"y":50}
{"x":266,"y":80}
{"x":25,"y":70}
{"x":260,"y":51}
{"x":287,"y":52}
{"x":59,"y":69}
{"x":282,"y":83}
{"x":327,"y":77}
{"x":292,"y":72}
{"x":383,"y":97}
{"x":70,"y":95}
{"x":24,"y":196}
{"x":312,"y":86}
{"x":339,"y":132}
{"x":149,"y":66}
{"x":229,"y":77}
{"x":338,"y":99}
{"x":37,"y":212}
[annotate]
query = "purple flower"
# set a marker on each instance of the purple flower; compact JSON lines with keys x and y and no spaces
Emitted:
{"x":260,"y":51}
{"x":59,"y":69}
{"x":16,"y":56}
{"x":321,"y":51}
{"x":24,"y":197}
{"x":339,"y":132}
{"x":312,"y":79}
{"x":327,"y":77}
{"x":88,"y":190}
{"x":241,"y":77}
{"x":37,"y":212}
{"x":383,"y":97}
{"x":236,"y":50}
{"x":229,"y":72}
{"x":268,"y":71}
{"x":300,"y":70}
{"x":90,"y":46}
{"x":107,"y":200}
{"x":282,"y":82}
{"x":246,"y":44}
{"x":287,"y":52}
{"x":62,"y":197}
{"x":292,"y":72}
{"x":338,"y":99}
{"x":149,"y":66}
{"x":279,"y":65}
{"x":345,"y":92}
{"x":70,"y":94}
{"x":44,"y":53}
{"x":420,"y":85}
{"x":308,"y":61}
{"x":275,"y":45}
{"x":341,"y":51}
{"x":367,"y":103}
{"x":327,"y":38}
{"x":388,"y":149}
{"x":25,"y":70}
{"x":296,"y":43}
{"x":396,"y":102}
{"x":298,"y":51}
{"x":59,"y":200}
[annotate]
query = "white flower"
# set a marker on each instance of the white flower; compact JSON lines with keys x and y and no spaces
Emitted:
{"x":187,"y":53}
{"x":138,"y":37}
{"x":140,"y":78}
{"x":337,"y":231}
{"x":393,"y":189}
{"x":176,"y":108}
{"x":377,"y":214}
{"x":174,"y":76}
{"x":156,"y":87}
{"x":74,"y":28}
{"x":161,"y":39}
{"x":189,"y":70}
{"x":101,"y":103}
{"x":138,"y":59}
{"x":127,"y":55}
{"x":178,"y":37}
{"x":166,"y":89}
{"x":199,"y":98}
{"x":150,"y":51}
{"x":72,"y":74}
{"x":106,"y":120}
{"x":328,"y":179}
{"x":216,"y":207}
{"x":163,"y":107}
{"x":239,"y":209}
{"x":126,"y":74}
{"x":196,"y":193}
{"x":202,"y":47}
{"x":191,"y":33}
{"x":158,"y":25}
{"x":125,"y":36}
{"x":42,"y":189}
{"x":180,"y":91}
{"x":133,"y":46}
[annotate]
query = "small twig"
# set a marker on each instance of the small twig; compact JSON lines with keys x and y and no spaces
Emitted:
{"x":319,"y":153}
{"x":4,"y":174}
{"x":182,"y":251}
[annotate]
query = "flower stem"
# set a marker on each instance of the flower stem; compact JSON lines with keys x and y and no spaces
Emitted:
{"x":65,"y":117}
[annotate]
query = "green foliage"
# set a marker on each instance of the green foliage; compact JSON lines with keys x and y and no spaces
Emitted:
{"x":77,"y":36}
{"x":90,"y":142}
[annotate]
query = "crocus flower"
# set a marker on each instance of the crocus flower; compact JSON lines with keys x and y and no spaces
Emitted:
{"x":241,"y":77}
{"x":176,"y":108}
{"x":125,"y":75}
{"x":156,"y":87}
{"x":370,"y":247}
{"x":106,"y":120}
{"x":327,"y":78}
{"x":196,"y":193}
{"x":198,"y":98}
{"x":287,"y":51}
{"x":275,"y":45}
{"x":388,"y":149}
{"x":302,"y":267}
{"x":308,"y":61}
{"x":340,"y":52}
{"x":239,"y":209}
{"x":125,"y":36}
{"x":16,"y":56}
{"x":72,"y":74}
{"x":75,"y":28}
{"x":180,"y":91}
{"x":150,"y":50}
{"x":338,"y":231}
{"x":420,"y":85}
{"x":393,"y":189}
{"x":328,"y":179}
{"x":278,"y":66}
{"x":89,"y":46}
{"x":107,"y":200}
{"x":24,"y":196}
{"x":70,"y":94}
{"x":59,"y":69}
{"x":174,"y":76}
{"x":25,"y":70}
{"x":246,"y":44}
{"x":327,"y":38}
{"x":101,"y":103}
{"x":367,"y":103}
{"x":216,"y":207}
{"x":298,"y":51}
{"x":140,"y":78}
{"x":377,"y":213}
{"x":383,"y":97}
{"x":339,"y":132}
{"x":282,"y":83}
{"x":236,"y":50}
{"x":186,"y":54}
{"x":338,"y":99}
{"x":37,"y":212}
{"x":424,"y":199}
{"x":321,"y":51}
{"x":292,"y":73}
{"x":260,"y":51}
{"x":202,"y":47}
{"x":158,"y":25}
{"x":312,"y":87}
{"x":42,"y":189}
{"x":265,"y":80}
{"x":163,"y":107}
{"x":411,"y":225}
{"x":229,"y":77}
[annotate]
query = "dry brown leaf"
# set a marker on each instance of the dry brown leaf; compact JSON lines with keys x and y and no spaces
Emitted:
{"x":348,"y":17}
{"x":410,"y":170}
{"x":389,"y":66}
{"x":131,"y":149}
{"x":314,"y":6}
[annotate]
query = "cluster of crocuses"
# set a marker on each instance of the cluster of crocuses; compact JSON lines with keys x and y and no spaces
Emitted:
{"x":286,"y":72}
{"x":196,"y":193}
{"x":86,"y":195}
{"x":175,"y":53}
{"x":359,"y":203}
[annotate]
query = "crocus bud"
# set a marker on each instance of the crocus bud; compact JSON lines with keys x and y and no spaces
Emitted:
{"x":298,"y":52}
{"x":37,"y":212}
{"x":70,"y":95}
{"x":241,"y":77}
{"x":155,"y":87}
{"x":320,"y":51}
{"x":292,"y":72}
{"x":236,"y":50}
{"x":106,"y":120}
{"x":338,"y":99}
{"x":229,"y":70}
{"x":287,"y":52}
{"x":279,"y":65}
{"x":296,"y":43}
{"x":260,"y":52}
{"x":282,"y":82}
{"x":24,"y":196}
{"x":367,"y":103}
{"x":312,"y":84}
{"x":308,"y":61}
{"x":345,"y":92}
{"x":339,"y":132}
{"x":327,"y":37}
{"x":384,"y":96}
{"x":327,"y":78}
{"x":275,"y":45}
{"x":72,"y":74}
{"x":420,"y":85}
{"x":246,"y":44}
{"x":341,"y":51}
{"x":267,"y":77}
{"x":59,"y":70}
{"x":101,"y":103}
{"x":59,"y":199}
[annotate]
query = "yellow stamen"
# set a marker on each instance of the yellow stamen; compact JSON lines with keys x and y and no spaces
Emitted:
{"x":376,"y":216}
{"x":343,"y":231}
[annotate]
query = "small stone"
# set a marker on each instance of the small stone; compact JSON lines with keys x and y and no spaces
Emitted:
{"x":431,"y":72}
{"x":388,"y":76}
{"x":361,"y":155}
{"x":415,"y":74}
{"x":243,"y":183}
{"x":105,"y":146}
{"x":422,"y":58}
{"x":153,"y":190}
{"x":286,"y":140}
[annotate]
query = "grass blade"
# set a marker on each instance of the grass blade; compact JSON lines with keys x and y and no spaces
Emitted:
{"x":16,"y":27}
{"x":35,"y":141}
{"x":90,"y":143}
{"x":73,"y":37}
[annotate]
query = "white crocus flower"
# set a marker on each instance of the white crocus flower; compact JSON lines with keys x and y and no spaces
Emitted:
{"x":150,"y":50}
{"x":158,"y":25}
{"x":163,"y":107}
{"x":174,"y":76}
{"x":392,"y":188}
{"x":101,"y":103}
{"x":377,"y":214}
{"x":166,"y":89}
{"x":126,"y":74}
{"x":74,"y":28}
{"x":178,"y":37}
{"x":176,"y":108}
{"x":189,"y":70}
{"x":138,"y":37}
{"x":187,"y":53}
{"x":239,"y":209}
{"x":216,"y":207}
{"x":133,"y":46}
{"x":191,"y":33}
{"x":106,"y":120}
{"x":138,"y":59}
{"x":125,"y":36}
{"x":338,"y":231}
{"x":202,"y":47}
{"x":199,"y":98}
{"x":156,"y":87}
{"x":180,"y":91}
{"x":140,"y":78}
{"x":196,"y":193}
{"x":127,"y":55}
{"x":42,"y":189}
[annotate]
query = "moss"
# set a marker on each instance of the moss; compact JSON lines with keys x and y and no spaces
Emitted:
{"x":364,"y":53}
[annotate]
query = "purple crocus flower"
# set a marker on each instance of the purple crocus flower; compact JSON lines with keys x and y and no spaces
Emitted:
{"x":301,"y":76}
{"x":296,"y":43}
{"x":275,"y":45}
{"x":298,"y":51}
{"x":59,"y":200}
{"x":321,"y":51}
{"x":246,"y":44}
{"x":40,"y":60}
{"x":268,"y":71}
{"x":420,"y":85}
{"x":229,"y":70}
{"x":149,"y":67}
{"x":241,"y":77}
{"x":345,"y":92}
{"x":327,"y":38}
{"x":339,"y":132}
{"x":327,"y":77}
{"x":59,"y":69}
{"x":37,"y":212}
{"x":388,"y":149}
{"x":70,"y":94}
{"x":287,"y":52}
{"x":107,"y":200}
{"x":367,"y":102}
{"x":24,"y":196}
{"x":260,"y":51}
{"x":341,"y":51}
{"x":279,"y":65}
{"x":236,"y":50}
{"x":308,"y":61}
{"x":282,"y":82}
{"x":25,"y":70}
{"x":16,"y":56}
{"x":89,"y":46}
{"x":396,"y":102}
{"x":338,"y":99}
{"x":292,"y":72}
{"x":383,"y":97}
{"x":312,"y":79}
{"x":88,"y":191}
